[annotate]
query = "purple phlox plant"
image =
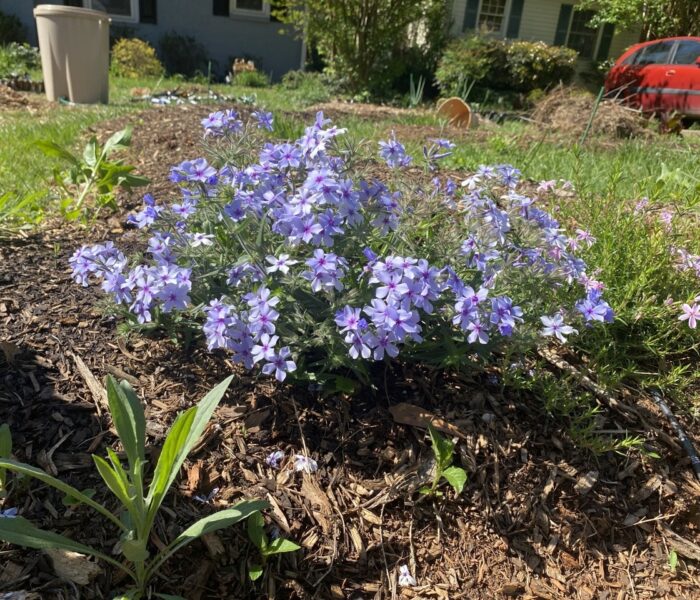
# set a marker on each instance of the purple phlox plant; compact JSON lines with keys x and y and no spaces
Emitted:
{"x":281,"y":263}
{"x":691,"y":313}
{"x":554,"y":326}
{"x":274,"y":459}
{"x":208,"y":498}
{"x":9,"y":513}
{"x":304,"y":464}
{"x":405,"y":577}
{"x":394,"y":153}
{"x":264,"y":119}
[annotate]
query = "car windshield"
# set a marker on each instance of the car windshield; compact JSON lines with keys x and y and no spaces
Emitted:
{"x":655,"y":54}
{"x":687,"y":53}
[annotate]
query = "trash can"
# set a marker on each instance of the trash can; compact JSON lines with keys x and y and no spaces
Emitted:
{"x":74,"y":47}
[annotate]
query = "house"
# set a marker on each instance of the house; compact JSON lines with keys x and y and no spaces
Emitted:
{"x":551,"y":21}
{"x":227,"y":28}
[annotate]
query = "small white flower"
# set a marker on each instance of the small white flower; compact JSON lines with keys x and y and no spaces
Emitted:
{"x":201,"y":239}
{"x":273,"y":459}
{"x":405,"y":577}
{"x":280,"y":264}
{"x":304,"y":463}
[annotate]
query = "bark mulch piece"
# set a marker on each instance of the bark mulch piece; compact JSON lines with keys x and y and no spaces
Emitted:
{"x":538,"y":517}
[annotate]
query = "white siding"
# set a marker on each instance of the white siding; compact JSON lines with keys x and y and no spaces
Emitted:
{"x":539,"y":22}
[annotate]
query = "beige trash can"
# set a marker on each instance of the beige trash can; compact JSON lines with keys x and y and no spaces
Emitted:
{"x":74,"y":47}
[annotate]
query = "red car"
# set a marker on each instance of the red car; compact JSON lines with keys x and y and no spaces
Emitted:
{"x":661,"y":76}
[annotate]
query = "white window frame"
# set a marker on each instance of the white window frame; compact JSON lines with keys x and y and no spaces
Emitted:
{"x":263,"y":14}
{"x":504,"y":23}
{"x":133,"y":18}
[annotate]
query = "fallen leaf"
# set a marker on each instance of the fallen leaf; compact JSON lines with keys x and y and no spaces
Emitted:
{"x":415,"y":416}
{"x":73,"y":566}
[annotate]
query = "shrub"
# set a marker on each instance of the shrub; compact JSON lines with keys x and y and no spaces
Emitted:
{"x":135,"y":58}
{"x":311,"y":86}
{"x":295,"y":257}
{"x":252,"y":79}
{"x":18,"y":59}
{"x":183,"y":55}
{"x":503,"y":65}
{"x":11,"y":29}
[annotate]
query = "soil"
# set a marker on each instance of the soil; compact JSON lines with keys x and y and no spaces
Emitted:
{"x":538,"y":518}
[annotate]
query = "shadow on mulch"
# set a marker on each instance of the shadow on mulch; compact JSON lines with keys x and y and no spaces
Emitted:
{"x":525,"y":526}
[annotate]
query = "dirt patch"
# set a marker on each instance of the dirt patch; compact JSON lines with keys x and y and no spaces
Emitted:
{"x":567,"y":110}
{"x":537,"y":519}
{"x":11,"y":99}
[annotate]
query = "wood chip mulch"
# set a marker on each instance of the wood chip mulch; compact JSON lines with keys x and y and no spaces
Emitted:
{"x":539,"y":518}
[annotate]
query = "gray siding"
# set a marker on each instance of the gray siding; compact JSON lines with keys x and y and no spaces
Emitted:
{"x":223,"y":37}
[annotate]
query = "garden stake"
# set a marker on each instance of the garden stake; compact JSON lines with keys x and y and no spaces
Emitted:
{"x":682,"y":437}
{"x":584,"y":135}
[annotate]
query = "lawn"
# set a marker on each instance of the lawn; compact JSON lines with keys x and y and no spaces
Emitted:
{"x":576,"y":485}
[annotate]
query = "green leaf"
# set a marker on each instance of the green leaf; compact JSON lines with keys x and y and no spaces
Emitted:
{"x":442,"y":448}
{"x":456,"y":477}
{"x":5,"y":449}
{"x":129,"y":420}
{"x":69,"y":490}
{"x":121,"y":139}
{"x":134,"y":550}
{"x":21,"y":532}
{"x":169,"y":596}
{"x":165,"y":475}
{"x":53,"y":150}
{"x":255,"y":572}
{"x":256,"y":531}
{"x":114,"y":481}
{"x":280,"y":546}
{"x":68,"y":500}
{"x":90,"y":152}
{"x":219,"y":520}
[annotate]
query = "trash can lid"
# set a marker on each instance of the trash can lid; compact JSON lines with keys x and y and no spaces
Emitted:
{"x":56,"y":10}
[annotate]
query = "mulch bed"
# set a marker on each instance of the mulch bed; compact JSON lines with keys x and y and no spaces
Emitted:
{"x":538,"y":518}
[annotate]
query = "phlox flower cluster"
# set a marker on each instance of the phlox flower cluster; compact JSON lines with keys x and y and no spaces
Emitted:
{"x":292,"y":252}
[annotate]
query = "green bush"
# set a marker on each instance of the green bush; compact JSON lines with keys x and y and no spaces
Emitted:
{"x":18,"y":59}
{"x":11,"y":29}
{"x":252,"y":79}
{"x":311,"y":86}
{"x":182,"y":54}
{"x":135,"y":58}
{"x":502,"y":65}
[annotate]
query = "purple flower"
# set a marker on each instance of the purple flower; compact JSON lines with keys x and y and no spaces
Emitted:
{"x":264,"y":119}
{"x":280,"y":364}
{"x":281,"y":263}
{"x":554,"y":326}
{"x":690,"y":314}
{"x":405,"y":577}
{"x":8,"y":513}
{"x":274,"y":458}
{"x":265,"y":350}
{"x":477,"y":332}
{"x":394,"y":153}
{"x":304,"y":464}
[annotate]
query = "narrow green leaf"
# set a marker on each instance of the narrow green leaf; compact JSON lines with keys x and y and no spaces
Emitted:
{"x":219,"y":520}
{"x":70,"y":501}
{"x":21,"y":532}
{"x":442,"y":448}
{"x":168,"y":596}
{"x":53,"y":150}
{"x":129,"y":420}
{"x":256,"y":531}
{"x":5,"y":450}
{"x":456,"y":477}
{"x":90,"y":152}
{"x":255,"y":572}
{"x":203,"y":413}
{"x":280,"y":546}
{"x":113,"y":480}
{"x":43,"y":476}
{"x":121,"y":139}
{"x":168,"y":463}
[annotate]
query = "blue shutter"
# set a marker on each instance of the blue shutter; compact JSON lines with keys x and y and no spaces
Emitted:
{"x":563,"y":24}
{"x":471,"y":12}
{"x":516,"y":13}
{"x":605,"y":41}
{"x":220,"y":8}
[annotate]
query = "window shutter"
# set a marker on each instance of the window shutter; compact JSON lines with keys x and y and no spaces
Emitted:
{"x":516,"y":13}
{"x":605,"y":42}
{"x":148,"y":11}
{"x":221,"y":8}
{"x":563,"y":24}
{"x":471,"y":12}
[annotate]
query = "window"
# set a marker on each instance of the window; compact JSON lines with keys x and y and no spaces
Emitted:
{"x":492,"y":15}
{"x":119,"y":10}
{"x":655,"y":54}
{"x":251,"y":8}
{"x":687,"y":53}
{"x":582,"y":38}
